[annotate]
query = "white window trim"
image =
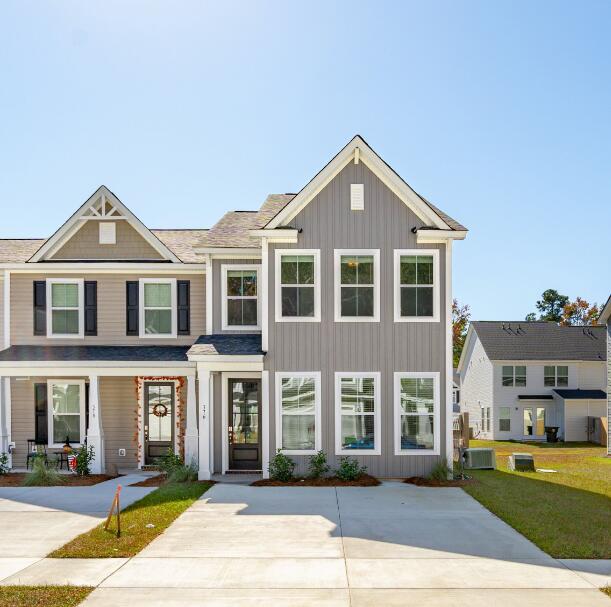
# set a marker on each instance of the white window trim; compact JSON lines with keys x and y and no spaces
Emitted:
{"x":513,"y":384}
{"x":83,"y":421}
{"x":278,"y":286}
{"x":377,"y":445}
{"x":397,"y":285}
{"x":317,"y":415}
{"x":142,"y":328}
{"x":337,"y":255}
{"x":224,"y":315}
{"x":81,"y":308}
{"x":398,"y":376}
{"x":555,"y":385}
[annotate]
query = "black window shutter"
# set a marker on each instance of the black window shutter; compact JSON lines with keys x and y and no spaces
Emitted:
{"x":40,"y":403}
{"x":91,"y":307}
{"x":131,"y":307}
{"x":183,"y":288}
{"x":40,"y":307}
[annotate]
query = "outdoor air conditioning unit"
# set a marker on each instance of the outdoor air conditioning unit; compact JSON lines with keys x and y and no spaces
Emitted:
{"x":483,"y":459}
{"x":521,"y":462}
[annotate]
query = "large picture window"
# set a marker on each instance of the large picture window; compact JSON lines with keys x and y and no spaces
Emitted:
{"x":357,"y":413}
{"x":66,"y":418}
{"x":240,"y":292}
{"x":357,"y":285}
{"x":416,"y":412}
{"x":157,"y":307}
{"x":416,"y":291}
{"x":297,"y":285}
{"x":298,"y":413}
{"x":65,"y":316}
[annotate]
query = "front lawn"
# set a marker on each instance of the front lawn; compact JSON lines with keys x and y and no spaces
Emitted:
{"x":43,"y":596}
{"x":141,"y":523}
{"x":566,"y":513}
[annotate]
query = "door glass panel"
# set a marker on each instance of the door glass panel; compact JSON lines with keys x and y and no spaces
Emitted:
{"x":160,"y":412}
{"x":245,"y":412}
{"x":540,"y":421}
{"x":528,"y":421}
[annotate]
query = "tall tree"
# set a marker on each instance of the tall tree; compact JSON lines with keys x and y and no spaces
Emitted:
{"x":550,"y":306}
{"x":579,"y":312}
{"x":460,"y":324}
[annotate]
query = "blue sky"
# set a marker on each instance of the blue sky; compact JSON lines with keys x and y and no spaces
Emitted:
{"x":499,"y":112}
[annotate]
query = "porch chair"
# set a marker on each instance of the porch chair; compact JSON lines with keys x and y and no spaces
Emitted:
{"x":36,"y":449}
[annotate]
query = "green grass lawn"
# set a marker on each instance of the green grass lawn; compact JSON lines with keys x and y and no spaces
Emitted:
{"x":566,"y":513}
{"x":159,"y":508}
{"x":43,"y":596}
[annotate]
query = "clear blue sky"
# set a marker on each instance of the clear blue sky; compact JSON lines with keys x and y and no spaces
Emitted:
{"x":499,"y":112}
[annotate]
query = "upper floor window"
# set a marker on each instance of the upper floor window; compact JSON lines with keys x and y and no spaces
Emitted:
{"x":556,"y":376}
{"x":65,"y":317}
{"x":66,"y":417}
{"x":240,"y":307}
{"x":514,"y":376}
{"x":416,"y":285}
{"x":157,"y":307}
{"x":357,"y":285}
{"x":297,"y":274}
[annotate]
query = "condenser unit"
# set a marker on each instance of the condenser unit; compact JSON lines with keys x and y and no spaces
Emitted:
{"x":521,"y":462}
{"x":482,"y":459}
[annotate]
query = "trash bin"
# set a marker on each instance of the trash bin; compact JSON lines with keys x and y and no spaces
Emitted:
{"x":551,"y":433}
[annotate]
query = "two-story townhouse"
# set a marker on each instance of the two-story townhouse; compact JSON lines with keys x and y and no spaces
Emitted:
{"x":517,"y":378}
{"x":605,"y":319}
{"x":320,"y":321}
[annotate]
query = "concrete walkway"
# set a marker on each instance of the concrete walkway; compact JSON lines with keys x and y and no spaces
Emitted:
{"x":390,"y":545}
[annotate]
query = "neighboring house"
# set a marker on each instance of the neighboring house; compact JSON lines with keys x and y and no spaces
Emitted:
{"x":320,"y":321}
{"x":456,"y":391}
{"x":517,"y":378}
{"x":605,"y":320}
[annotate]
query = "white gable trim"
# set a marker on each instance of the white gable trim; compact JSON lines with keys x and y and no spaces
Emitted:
{"x":89,"y":211}
{"x":366,"y":155}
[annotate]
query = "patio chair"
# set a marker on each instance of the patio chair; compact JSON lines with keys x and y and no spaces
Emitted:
{"x":36,"y":449}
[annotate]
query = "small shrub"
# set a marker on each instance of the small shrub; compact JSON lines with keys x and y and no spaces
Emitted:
{"x":41,"y":476}
{"x":84,"y":457}
{"x":4,"y":467}
{"x":281,"y":467}
{"x":169,"y":462}
{"x":349,"y":469}
{"x":183,"y":474}
{"x":318,"y":465}
{"x":440,"y":472}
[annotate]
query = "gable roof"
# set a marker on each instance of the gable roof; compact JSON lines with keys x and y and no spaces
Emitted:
{"x":540,"y":340}
{"x":605,"y":313}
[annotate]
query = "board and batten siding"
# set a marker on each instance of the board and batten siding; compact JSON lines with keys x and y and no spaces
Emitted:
{"x":609,"y":386}
{"x":111,"y":311}
{"x":328,"y":223}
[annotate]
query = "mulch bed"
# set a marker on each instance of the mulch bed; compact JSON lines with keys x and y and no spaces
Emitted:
{"x":152,"y":481}
{"x":430,"y":482}
{"x":332,"y":481}
{"x":15,"y":479}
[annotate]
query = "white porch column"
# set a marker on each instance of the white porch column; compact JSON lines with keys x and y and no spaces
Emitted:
{"x":5,"y":415}
{"x":95,"y":433}
{"x":191,"y":425}
{"x":205,"y":404}
{"x":265,"y":417}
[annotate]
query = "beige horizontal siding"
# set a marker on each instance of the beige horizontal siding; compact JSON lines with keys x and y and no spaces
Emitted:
{"x":111,"y":311}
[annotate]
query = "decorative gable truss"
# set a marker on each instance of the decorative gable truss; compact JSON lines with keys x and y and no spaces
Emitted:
{"x":101,"y":206}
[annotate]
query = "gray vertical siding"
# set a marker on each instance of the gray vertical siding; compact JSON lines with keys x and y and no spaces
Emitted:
{"x":609,"y":386}
{"x":327,"y":223}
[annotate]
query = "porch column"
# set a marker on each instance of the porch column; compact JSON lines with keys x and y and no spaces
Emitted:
{"x":5,"y":415}
{"x":95,"y":433}
{"x":204,"y":425}
{"x":191,"y":426}
{"x":265,"y":420}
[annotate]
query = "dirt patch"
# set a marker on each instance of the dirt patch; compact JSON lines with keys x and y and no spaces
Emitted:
{"x":152,"y":481}
{"x":332,"y":481}
{"x":15,"y":479}
{"x":430,"y":482}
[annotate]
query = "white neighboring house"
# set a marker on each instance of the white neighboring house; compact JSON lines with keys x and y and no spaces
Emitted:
{"x":605,"y":319}
{"x":517,"y":378}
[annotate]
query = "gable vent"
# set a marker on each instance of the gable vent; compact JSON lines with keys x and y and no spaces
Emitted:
{"x":108,"y":232}
{"x":357,"y":196}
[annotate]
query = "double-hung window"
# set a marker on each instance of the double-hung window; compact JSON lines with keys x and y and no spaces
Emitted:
{"x":514,"y":376}
{"x":66,"y":417}
{"x":65,"y":316}
{"x":297,"y":290}
{"x":357,"y":413}
{"x":298,"y":428}
{"x":416,"y":412}
{"x":556,"y":376}
{"x":357,"y":285}
{"x":416,"y":291}
{"x":504,"y":419}
{"x":158,"y":307}
{"x":240,"y":289}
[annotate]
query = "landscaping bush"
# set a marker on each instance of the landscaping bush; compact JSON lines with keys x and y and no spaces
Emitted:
{"x":170,"y":462}
{"x":318,"y":465}
{"x":440,"y":472}
{"x":41,"y":476}
{"x":84,"y":457}
{"x":281,"y":467}
{"x":4,"y":467}
{"x":183,"y":474}
{"x":349,"y":469}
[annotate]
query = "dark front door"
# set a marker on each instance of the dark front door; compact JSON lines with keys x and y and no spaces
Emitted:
{"x":158,"y":419}
{"x":244,"y":424}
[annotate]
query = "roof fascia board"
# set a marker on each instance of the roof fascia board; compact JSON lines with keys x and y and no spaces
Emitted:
{"x":465,"y":348}
{"x":101,"y":368}
{"x":277,"y":235}
{"x":104,"y":268}
{"x":546,"y":361}
{"x":225,"y":357}
{"x":605,"y":313}
{"x":439,"y":236}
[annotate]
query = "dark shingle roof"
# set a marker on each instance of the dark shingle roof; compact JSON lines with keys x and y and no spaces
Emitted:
{"x":93,"y":353}
{"x":582,"y":394}
{"x":227,"y":344}
{"x":520,"y":340}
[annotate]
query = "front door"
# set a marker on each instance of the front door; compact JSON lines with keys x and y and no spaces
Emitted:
{"x":244,"y":424}
{"x":158,"y":419}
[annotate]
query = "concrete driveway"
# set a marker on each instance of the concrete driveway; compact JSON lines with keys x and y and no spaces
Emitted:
{"x":391,"y":545}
